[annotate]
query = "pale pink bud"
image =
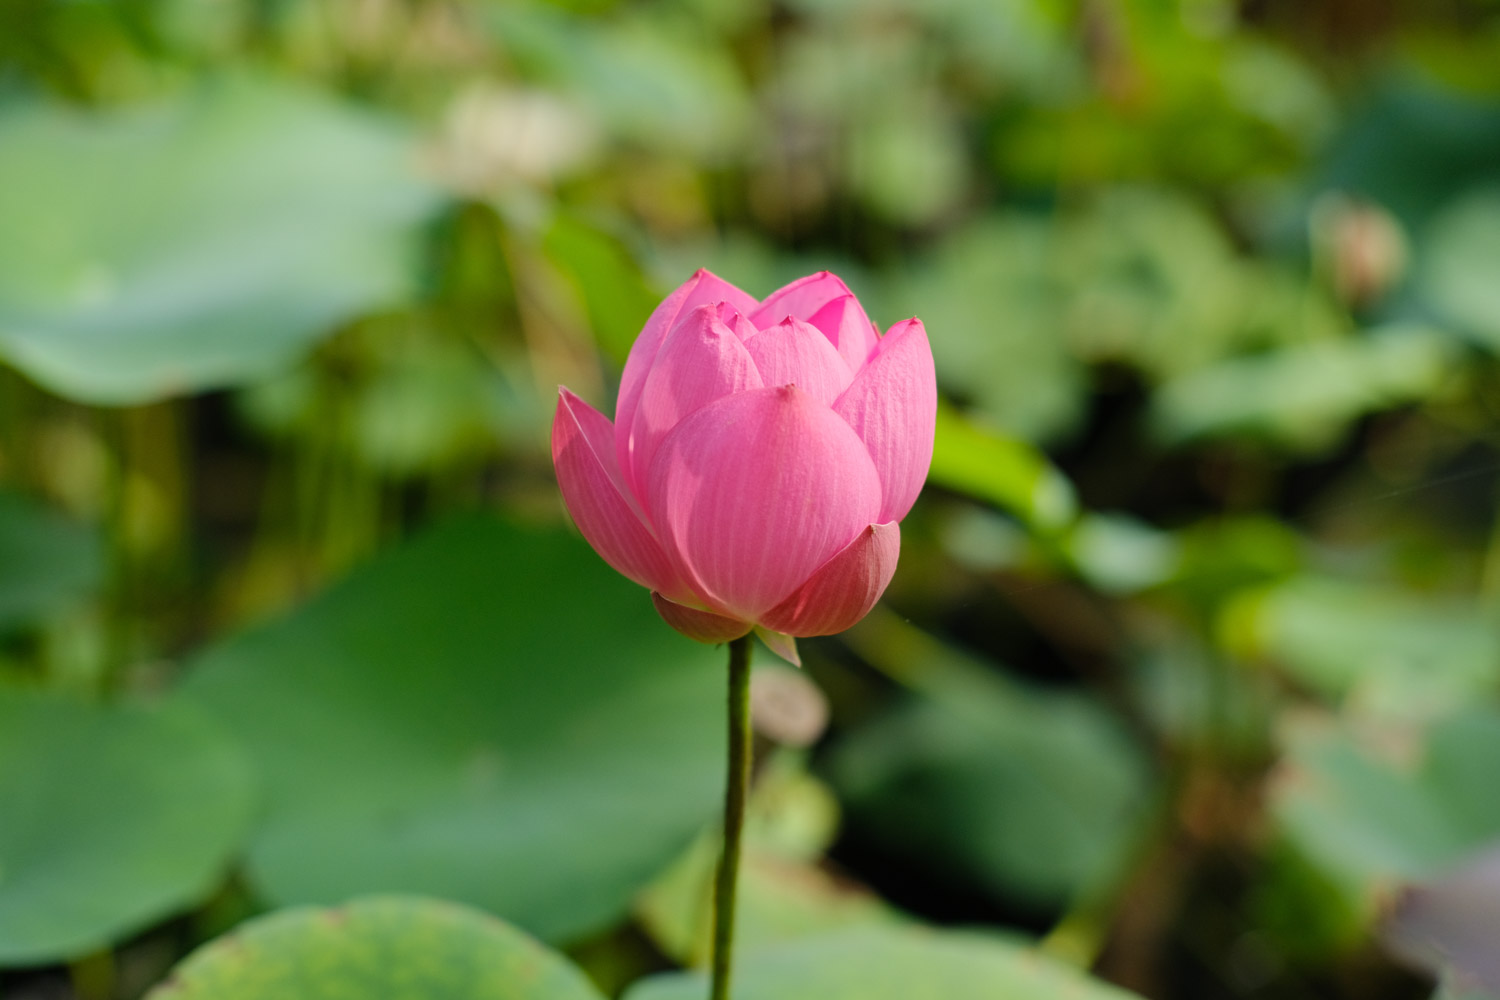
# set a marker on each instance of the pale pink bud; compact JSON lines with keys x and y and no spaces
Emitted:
{"x":759,"y":461}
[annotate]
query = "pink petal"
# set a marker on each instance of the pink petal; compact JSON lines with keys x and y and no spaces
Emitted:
{"x":702,"y":288}
{"x":705,"y":626}
{"x":802,"y":299}
{"x":783,"y":646}
{"x":847,"y":327}
{"x":754,"y":492}
{"x":700,"y":361}
{"x":844,"y":589}
{"x":736,"y":321}
{"x":892,"y":406}
{"x":793,"y":352}
{"x":583,"y":454}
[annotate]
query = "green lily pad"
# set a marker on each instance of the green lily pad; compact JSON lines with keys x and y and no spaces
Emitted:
{"x":393,"y":947}
{"x":46,"y":561}
{"x":1371,"y":815}
{"x":784,"y":892}
{"x":488,"y":714}
{"x":200,"y":243}
{"x":892,"y":963}
{"x":114,"y":818}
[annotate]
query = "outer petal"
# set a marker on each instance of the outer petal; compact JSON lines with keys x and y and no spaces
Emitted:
{"x":705,"y":626}
{"x":802,"y":299}
{"x":847,"y":327}
{"x":583,"y":454}
{"x":892,"y":406}
{"x":700,"y":361}
{"x":793,"y":352}
{"x":702,"y":288}
{"x":844,"y":590}
{"x":754,"y":492}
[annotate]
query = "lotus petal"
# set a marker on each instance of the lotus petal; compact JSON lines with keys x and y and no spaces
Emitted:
{"x":794,"y":352}
{"x":892,"y":406}
{"x":844,"y":589}
{"x":595,"y":494}
{"x":755,"y":491}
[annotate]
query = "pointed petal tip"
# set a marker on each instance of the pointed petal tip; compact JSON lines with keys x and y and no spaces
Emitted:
{"x":781,"y":644}
{"x":844,"y":589}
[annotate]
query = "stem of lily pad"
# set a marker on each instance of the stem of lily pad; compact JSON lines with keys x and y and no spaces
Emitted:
{"x":736,"y":790}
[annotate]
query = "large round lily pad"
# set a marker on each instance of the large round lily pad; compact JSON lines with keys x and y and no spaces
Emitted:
{"x":490,"y":715}
{"x":198,"y":243}
{"x":391,"y":948}
{"x":892,"y":963}
{"x":113,"y":817}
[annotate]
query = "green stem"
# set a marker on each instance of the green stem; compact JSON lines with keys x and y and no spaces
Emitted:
{"x":735,"y":792}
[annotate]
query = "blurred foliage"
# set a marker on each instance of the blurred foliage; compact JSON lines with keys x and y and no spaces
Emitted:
{"x":382,"y":946}
{"x":1189,"y":674}
{"x":474,"y":757}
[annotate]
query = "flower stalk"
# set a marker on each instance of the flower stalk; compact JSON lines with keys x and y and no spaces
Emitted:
{"x":736,"y":792}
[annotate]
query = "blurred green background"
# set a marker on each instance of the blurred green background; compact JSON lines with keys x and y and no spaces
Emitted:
{"x":1188,"y":678}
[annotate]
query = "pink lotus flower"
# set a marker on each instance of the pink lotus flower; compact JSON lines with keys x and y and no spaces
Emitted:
{"x":761,"y":456}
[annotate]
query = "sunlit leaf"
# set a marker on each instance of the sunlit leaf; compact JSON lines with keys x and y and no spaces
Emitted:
{"x":199,"y":243}
{"x":613,"y":289}
{"x":1001,"y":470}
{"x":393,"y":947}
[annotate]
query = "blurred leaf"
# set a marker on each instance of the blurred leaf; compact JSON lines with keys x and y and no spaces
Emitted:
{"x":778,"y":900}
{"x":783,"y":894}
{"x":1412,"y":146}
{"x":909,"y":164}
{"x":1120,"y":554}
{"x":1304,"y":395}
{"x":197,"y":244}
{"x":644,"y":81}
{"x":613,"y":290}
{"x":1147,"y":276}
{"x":1373,"y":814}
{"x":892,"y":964}
{"x":1025,"y":792}
{"x":47,"y":562}
{"x":990,"y":307}
{"x":1219,"y":556}
{"x":1459,"y":272}
{"x":488,"y":714}
{"x":428,"y":402}
{"x":386,"y":946}
{"x":115,"y":817}
{"x":1396,"y":650}
{"x":1001,"y":470}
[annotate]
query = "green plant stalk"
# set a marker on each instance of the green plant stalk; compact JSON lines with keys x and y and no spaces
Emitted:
{"x":736,"y":791}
